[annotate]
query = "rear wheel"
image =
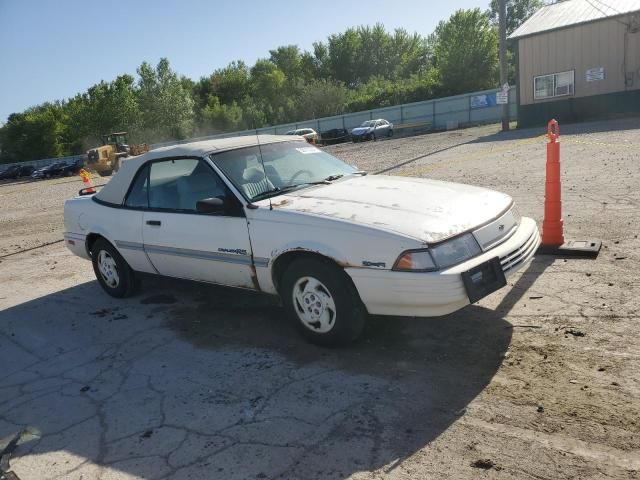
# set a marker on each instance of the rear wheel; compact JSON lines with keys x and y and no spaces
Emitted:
{"x":105,"y":173}
{"x":390,"y":134}
{"x":112,"y":271}
{"x":322,"y":302}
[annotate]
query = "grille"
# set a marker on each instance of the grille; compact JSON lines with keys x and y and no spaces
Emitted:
{"x":497,"y":231}
{"x":520,"y":254}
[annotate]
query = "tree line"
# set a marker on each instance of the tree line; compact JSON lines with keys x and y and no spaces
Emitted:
{"x":361,"y":68}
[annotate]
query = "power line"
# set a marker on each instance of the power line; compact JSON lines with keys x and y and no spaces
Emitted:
{"x":606,"y":5}
{"x":606,"y":15}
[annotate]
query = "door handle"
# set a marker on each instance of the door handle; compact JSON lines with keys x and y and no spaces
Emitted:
{"x":155,"y":223}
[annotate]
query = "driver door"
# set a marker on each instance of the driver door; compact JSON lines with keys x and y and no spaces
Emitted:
{"x":180,"y":241}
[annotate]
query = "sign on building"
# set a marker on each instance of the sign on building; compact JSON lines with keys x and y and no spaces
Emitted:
{"x":595,"y":74}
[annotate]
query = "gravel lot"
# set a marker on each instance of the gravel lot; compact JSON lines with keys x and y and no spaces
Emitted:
{"x":540,"y":381}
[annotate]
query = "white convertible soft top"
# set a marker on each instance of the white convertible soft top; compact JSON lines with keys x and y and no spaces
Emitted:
{"x":115,"y":191}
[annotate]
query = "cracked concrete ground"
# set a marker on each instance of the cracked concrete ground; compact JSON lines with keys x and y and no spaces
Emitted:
{"x":189,"y":381}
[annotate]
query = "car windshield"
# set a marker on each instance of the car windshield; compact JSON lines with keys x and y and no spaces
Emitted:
{"x":288,"y":166}
{"x":368,"y":123}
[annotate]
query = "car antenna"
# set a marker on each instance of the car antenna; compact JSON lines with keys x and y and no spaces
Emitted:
{"x":264,"y":170}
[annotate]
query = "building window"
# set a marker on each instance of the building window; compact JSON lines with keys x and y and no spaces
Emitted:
{"x":553,"y":85}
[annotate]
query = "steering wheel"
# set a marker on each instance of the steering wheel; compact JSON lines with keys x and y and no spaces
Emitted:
{"x":299,"y":172}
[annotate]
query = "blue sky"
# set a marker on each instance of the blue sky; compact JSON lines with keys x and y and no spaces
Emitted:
{"x":53,"y":49}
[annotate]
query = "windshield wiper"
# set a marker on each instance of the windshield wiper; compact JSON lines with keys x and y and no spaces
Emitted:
{"x":331,"y":178}
{"x":276,"y":190}
{"x":288,"y":188}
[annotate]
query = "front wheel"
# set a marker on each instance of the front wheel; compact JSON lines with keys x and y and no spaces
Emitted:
{"x":390,"y":133}
{"x":323,"y":302}
{"x":112,"y":271}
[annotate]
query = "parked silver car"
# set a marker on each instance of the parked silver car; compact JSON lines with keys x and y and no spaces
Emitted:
{"x":372,"y":130}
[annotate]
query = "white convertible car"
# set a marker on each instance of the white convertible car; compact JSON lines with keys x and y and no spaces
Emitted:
{"x":278,"y":215}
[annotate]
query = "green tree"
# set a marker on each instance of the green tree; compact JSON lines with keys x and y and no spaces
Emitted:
{"x":34,"y":134}
{"x":321,"y":98}
{"x":110,"y":107}
{"x":517,"y":12}
{"x":167,"y":108}
{"x":289,"y":60}
{"x":218,"y":117}
{"x":268,"y":85}
{"x":466,"y":52}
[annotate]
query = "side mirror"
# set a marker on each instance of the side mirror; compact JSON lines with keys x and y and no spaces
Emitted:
{"x":210,"y":205}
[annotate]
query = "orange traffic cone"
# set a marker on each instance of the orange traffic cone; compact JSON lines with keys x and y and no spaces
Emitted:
{"x":552,"y":227}
{"x":553,"y":242}
{"x":86,"y":179}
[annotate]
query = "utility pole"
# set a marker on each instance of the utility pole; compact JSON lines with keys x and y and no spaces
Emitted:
{"x":502,"y":17}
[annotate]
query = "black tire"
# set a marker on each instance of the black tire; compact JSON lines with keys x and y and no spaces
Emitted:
{"x":105,"y":173}
{"x":390,"y":133}
{"x":346,"y":318}
{"x":125,"y":281}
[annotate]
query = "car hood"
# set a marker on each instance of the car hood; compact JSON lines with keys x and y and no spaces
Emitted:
{"x":361,"y":130}
{"x":427,"y":210}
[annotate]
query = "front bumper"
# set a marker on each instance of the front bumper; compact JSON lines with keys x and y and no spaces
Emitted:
{"x":360,"y":134}
{"x":385,"y":292}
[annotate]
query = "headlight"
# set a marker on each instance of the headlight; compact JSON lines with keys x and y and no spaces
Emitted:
{"x":455,"y":251}
{"x":415,"y":260}
{"x":444,"y":255}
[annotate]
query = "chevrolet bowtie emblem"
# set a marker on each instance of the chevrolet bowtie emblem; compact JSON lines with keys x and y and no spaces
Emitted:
{"x":500,"y":227}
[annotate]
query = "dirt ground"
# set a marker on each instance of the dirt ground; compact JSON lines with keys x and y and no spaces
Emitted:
{"x":540,"y":380}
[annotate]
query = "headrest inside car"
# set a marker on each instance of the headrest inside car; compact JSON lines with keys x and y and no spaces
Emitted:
{"x":253,"y":175}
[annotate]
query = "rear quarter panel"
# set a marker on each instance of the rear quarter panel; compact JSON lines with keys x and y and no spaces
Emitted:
{"x":84,"y":216}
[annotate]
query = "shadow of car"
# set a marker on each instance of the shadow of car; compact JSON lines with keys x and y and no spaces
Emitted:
{"x":194,"y":364}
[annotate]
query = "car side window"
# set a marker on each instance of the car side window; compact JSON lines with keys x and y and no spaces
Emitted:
{"x":179,"y":184}
{"x":138,"y":196}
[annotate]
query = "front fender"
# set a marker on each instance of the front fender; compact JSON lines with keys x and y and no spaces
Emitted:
{"x":313,"y":247}
{"x":265,"y":273}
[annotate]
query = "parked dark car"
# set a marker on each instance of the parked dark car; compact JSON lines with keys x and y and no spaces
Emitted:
{"x":72,"y":168}
{"x":16,"y":171}
{"x":53,"y":170}
{"x":335,"y":135}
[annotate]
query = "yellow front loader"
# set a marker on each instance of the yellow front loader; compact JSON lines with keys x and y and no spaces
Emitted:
{"x":106,"y":159}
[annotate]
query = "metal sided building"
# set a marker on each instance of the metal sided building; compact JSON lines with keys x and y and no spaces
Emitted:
{"x":578,"y":60}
